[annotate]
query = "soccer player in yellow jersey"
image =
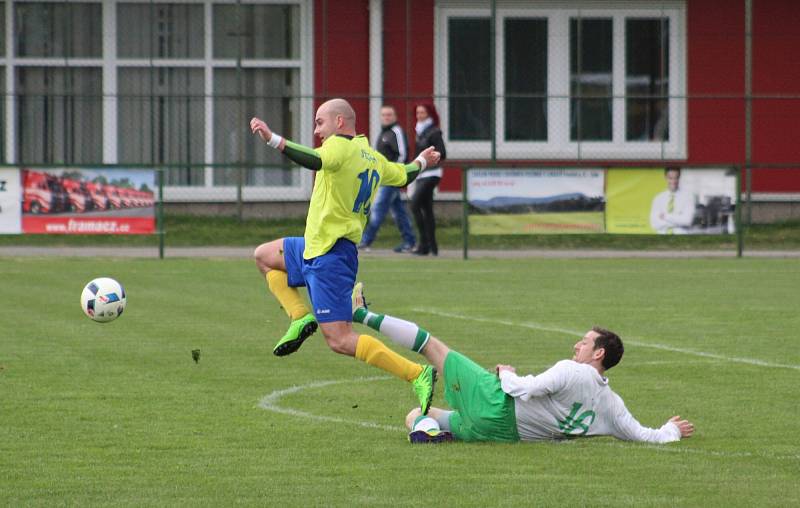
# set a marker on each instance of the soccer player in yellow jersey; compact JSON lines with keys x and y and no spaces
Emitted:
{"x":325,"y":259}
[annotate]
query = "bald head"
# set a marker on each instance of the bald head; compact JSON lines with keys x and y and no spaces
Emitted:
{"x":335,"y":116}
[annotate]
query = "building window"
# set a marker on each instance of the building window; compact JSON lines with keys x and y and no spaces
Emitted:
{"x":647,"y":79}
{"x":590,"y":79}
{"x":570,"y":82}
{"x":161,"y":120}
{"x":168,"y":84}
{"x":59,"y":115}
{"x":66,"y":30}
{"x":258,"y":31}
{"x":59,"y":109}
{"x":468,"y":57}
{"x":270,"y":92}
{"x":525,"y":79}
{"x":154,"y":30}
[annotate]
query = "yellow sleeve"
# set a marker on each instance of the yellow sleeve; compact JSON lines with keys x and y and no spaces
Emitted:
{"x":393,"y":174}
{"x":332,"y":153}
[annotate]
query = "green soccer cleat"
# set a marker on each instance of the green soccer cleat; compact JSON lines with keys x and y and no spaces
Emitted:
{"x":298,"y":331}
{"x":423,"y":387}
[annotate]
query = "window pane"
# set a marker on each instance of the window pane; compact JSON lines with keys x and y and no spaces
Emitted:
{"x":264,"y":31}
{"x":161,"y":120}
{"x":160,"y":31}
{"x":590,"y":76}
{"x":647,"y":76}
{"x":60,"y":116}
{"x":270,"y":94}
{"x":468,"y":76}
{"x":526,"y":75}
{"x":58,"y":29}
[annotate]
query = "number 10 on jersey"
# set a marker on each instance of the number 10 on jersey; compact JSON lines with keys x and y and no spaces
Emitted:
{"x":369,"y":182}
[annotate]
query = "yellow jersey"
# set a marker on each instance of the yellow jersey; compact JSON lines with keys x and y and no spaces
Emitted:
{"x":343,"y":190}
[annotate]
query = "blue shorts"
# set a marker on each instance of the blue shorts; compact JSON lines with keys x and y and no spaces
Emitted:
{"x":329,"y":277}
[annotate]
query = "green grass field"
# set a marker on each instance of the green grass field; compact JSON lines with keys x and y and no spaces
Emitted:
{"x":538,"y":223}
{"x":119,"y":414}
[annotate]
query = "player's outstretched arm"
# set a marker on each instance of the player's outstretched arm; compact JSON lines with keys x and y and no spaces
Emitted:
{"x":300,"y":154}
{"x":627,"y":428}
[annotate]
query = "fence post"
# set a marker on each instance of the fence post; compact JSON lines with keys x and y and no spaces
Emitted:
{"x":739,"y":226}
{"x":464,"y":214}
{"x":160,"y":213}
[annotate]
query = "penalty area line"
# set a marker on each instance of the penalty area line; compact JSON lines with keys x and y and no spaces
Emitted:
{"x":633,"y":342}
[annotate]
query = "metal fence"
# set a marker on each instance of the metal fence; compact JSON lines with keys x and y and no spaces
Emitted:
{"x":567,"y":84}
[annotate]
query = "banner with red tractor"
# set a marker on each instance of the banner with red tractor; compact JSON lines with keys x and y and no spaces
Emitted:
{"x":88,"y":201}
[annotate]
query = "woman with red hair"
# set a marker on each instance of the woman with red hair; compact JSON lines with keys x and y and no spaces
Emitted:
{"x":428,"y":134}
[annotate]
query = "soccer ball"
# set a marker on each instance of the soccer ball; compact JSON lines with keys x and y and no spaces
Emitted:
{"x":103,"y":299}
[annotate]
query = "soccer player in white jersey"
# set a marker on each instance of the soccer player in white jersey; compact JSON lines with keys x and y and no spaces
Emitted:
{"x":570,"y":399}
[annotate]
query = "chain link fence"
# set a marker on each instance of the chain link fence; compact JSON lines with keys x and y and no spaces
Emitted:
{"x":578,"y":84}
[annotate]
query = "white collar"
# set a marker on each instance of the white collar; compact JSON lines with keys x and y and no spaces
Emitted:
{"x":421,"y":126}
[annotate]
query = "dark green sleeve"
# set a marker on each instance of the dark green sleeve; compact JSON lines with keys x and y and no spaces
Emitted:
{"x":303,"y":155}
{"x":412,"y":170}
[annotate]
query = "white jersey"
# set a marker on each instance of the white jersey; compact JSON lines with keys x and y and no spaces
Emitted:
{"x":573,"y":399}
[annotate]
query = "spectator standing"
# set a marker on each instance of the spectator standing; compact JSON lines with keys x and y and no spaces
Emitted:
{"x":428,"y":134}
{"x":392,"y":143}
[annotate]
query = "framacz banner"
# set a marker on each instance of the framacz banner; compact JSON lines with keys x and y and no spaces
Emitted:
{"x":88,"y":201}
{"x":10,"y":216}
{"x":534,"y":201}
{"x":670,"y":201}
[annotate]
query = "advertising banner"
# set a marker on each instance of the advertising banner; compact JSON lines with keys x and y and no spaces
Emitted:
{"x":10,"y":193}
{"x":88,"y":201}
{"x":535,"y":201}
{"x":670,"y":201}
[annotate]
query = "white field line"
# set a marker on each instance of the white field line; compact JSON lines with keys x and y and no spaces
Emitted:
{"x":695,"y":451}
{"x":270,"y":403}
{"x":575,"y":333}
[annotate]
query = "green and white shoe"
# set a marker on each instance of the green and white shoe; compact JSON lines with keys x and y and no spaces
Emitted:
{"x":423,"y":387}
{"x":298,"y":331}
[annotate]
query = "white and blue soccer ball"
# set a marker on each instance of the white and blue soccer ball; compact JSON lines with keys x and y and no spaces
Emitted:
{"x":103,"y":299}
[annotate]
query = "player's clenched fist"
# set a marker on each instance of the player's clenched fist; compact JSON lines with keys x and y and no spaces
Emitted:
{"x":431,"y":157}
{"x":258,"y":126}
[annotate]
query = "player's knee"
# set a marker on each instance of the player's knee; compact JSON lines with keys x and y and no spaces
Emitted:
{"x":341,"y":343}
{"x":412,"y":416}
{"x":260,"y":254}
{"x":265,"y":256}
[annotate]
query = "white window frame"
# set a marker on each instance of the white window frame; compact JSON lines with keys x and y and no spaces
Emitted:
{"x":110,"y":64}
{"x":558,"y":144}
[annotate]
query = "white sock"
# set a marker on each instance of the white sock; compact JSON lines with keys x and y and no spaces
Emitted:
{"x":400,"y":331}
{"x":425,"y":423}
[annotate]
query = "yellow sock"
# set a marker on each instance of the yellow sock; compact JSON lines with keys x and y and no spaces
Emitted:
{"x":374,"y":352}
{"x":289,"y":298}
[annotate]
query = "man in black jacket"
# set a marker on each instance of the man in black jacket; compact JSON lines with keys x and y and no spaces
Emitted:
{"x":393,"y":145}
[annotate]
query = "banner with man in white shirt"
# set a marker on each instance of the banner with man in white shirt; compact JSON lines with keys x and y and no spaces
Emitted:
{"x":672,"y":201}
{"x":571,"y":399}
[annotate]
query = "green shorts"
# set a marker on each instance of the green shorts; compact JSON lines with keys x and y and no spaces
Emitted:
{"x":482,"y":410}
